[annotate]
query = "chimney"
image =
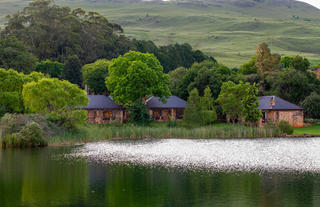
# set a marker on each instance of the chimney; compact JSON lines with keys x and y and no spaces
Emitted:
{"x":273,"y":101}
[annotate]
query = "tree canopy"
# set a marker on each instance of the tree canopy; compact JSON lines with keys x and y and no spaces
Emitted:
{"x":53,"y":68}
{"x":94,"y":75}
{"x":49,"y":95}
{"x":135,"y":76}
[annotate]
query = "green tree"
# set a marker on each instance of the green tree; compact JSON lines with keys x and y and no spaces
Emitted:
{"x":72,"y":70}
{"x":311,"y":105}
{"x":11,"y":84}
{"x":94,"y":75}
{"x":208,"y":113}
{"x":14,"y":54}
{"x":286,"y":61}
{"x":250,"y":104}
{"x":175,"y":77}
{"x":191,"y":114}
{"x":135,"y":76}
{"x":230,"y":99}
{"x":53,"y":68}
{"x":249,"y":67}
{"x":138,"y":113}
{"x":49,"y":95}
{"x":300,"y":63}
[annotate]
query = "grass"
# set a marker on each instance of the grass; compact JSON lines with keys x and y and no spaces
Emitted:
{"x":314,"y":130}
{"x":91,"y":133}
{"x":228,"y":32}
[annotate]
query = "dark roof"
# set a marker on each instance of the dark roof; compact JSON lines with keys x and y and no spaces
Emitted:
{"x":280,"y":104}
{"x":101,"y":102}
{"x":172,"y":102}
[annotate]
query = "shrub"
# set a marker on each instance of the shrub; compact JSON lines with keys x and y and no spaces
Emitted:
{"x":208,"y":117}
{"x":138,"y":113}
{"x":285,"y":127}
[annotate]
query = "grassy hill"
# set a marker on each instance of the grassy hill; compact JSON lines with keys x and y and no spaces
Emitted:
{"x":229,"y":30}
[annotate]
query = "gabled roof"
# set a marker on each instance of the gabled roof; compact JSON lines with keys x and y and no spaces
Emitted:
{"x":172,"y":102}
{"x":102,"y":102}
{"x":279,"y":104}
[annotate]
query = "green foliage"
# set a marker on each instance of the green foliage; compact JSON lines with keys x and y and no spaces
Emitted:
{"x":191,"y":114}
{"x":285,"y":127}
{"x":239,"y":101}
{"x":49,"y":95}
{"x":68,"y":119}
{"x":286,"y":61}
{"x":11,"y":83}
{"x":138,"y":113}
{"x":94,"y":75}
{"x":54,"y":32}
{"x":311,"y":105}
{"x":250,"y":104}
{"x":172,"y":56}
{"x":72,"y":70}
{"x":176,"y":77}
{"x":249,"y":67}
{"x":300,"y":63}
{"x":201,"y":75}
{"x":23,"y":130}
{"x":134,"y":76}
{"x":200,"y":110}
{"x":53,"y":68}
{"x":14,"y":54}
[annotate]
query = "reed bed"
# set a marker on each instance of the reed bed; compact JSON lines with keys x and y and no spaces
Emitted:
{"x":92,"y":133}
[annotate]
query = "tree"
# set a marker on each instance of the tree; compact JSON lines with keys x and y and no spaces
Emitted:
{"x":15,"y":55}
{"x":11,"y":84}
{"x":240,"y":101}
{"x":175,"y":77}
{"x":200,"y":110}
{"x":266,"y":62}
{"x":311,"y":105}
{"x":300,"y":63}
{"x":286,"y":61}
{"x":208,"y":113}
{"x":49,"y":95}
{"x":138,"y":113}
{"x":249,"y":67}
{"x":53,"y":68}
{"x":250,"y":104}
{"x":72,"y":70}
{"x":230,"y":99}
{"x":135,"y":76}
{"x":191,"y":114}
{"x":94,"y":75}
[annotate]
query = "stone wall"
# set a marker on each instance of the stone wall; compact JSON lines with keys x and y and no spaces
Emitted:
{"x":294,"y":117}
{"x":104,"y":116}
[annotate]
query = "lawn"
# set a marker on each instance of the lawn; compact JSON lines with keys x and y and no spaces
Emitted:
{"x":314,"y":130}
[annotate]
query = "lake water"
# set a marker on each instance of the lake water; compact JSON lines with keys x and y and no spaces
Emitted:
{"x":240,"y":173}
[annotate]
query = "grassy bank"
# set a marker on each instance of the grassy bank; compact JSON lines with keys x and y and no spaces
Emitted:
{"x":91,"y":133}
{"x":314,"y":130}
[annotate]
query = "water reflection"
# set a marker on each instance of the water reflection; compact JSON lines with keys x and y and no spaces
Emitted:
{"x":38,"y":178}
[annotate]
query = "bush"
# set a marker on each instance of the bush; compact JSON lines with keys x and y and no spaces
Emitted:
{"x":29,"y":136}
{"x":138,"y":114}
{"x":67,"y":118}
{"x":208,"y":117}
{"x":285,"y":127}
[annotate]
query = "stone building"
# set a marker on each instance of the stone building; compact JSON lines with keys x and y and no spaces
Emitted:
{"x":172,"y":109}
{"x":275,"y":109}
{"x":317,"y":72}
{"x":102,"y":109}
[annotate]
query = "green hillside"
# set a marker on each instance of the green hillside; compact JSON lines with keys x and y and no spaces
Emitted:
{"x":229,"y":30}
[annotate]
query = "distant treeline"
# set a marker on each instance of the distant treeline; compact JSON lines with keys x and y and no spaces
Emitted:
{"x":44,"y":31}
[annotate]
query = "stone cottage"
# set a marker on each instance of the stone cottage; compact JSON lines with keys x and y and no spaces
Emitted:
{"x":275,"y":109}
{"x":102,"y":109}
{"x":173,"y":108}
{"x":317,"y":72}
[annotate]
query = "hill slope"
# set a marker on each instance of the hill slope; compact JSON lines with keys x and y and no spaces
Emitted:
{"x":229,"y":30}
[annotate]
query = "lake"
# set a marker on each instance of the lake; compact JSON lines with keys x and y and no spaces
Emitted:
{"x":240,"y":173}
